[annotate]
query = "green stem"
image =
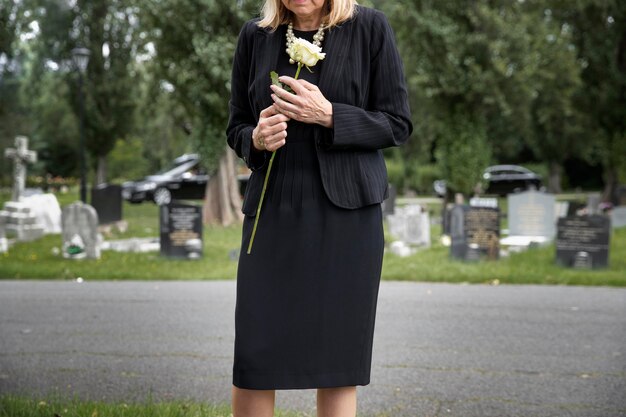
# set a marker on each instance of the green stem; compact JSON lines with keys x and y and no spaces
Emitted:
{"x":258,"y":209}
{"x":267,"y":176}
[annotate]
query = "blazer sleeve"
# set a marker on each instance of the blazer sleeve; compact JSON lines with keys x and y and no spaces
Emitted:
{"x":242,"y":120}
{"x":386,"y":121}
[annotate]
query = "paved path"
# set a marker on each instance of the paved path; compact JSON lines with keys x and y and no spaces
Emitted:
{"x":440,"y":350}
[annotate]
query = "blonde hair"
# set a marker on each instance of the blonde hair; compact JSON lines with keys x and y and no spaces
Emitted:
{"x":274,"y":13}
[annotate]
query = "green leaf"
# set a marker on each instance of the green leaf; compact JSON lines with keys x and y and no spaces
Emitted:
{"x":274,"y":77}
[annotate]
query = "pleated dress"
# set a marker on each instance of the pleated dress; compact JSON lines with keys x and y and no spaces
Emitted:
{"x":307,"y":294}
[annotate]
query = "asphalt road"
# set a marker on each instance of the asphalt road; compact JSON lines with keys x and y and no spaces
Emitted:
{"x":440,"y":350}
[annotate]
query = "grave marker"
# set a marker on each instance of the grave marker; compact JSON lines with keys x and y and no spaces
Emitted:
{"x":583,"y":241}
{"x":475,"y":233}
{"x":181,"y":230}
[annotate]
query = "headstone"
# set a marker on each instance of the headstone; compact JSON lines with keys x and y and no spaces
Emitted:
{"x":532,"y":213}
{"x":475,"y":233}
{"x":19,"y":219}
{"x":80,"y":232}
{"x":47,"y":211}
{"x":389,"y":204}
{"x":181,"y":230}
{"x":484,"y":202}
{"x":4,"y":243}
{"x":21,"y":156}
{"x":618,"y":217}
{"x":583,"y":241}
{"x":446,"y":213}
{"x":17,"y":216}
{"x":593,"y":203}
{"x":410,"y":224}
{"x":619,"y":196}
{"x":561,"y":209}
{"x":107,"y":200}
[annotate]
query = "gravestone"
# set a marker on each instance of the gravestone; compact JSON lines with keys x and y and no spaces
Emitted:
{"x":21,"y":156}
{"x":583,"y":241}
{"x":410,"y":224}
{"x":181,"y":230}
{"x":107,"y":200}
{"x":16,"y":216}
{"x":4,"y":243}
{"x":619,"y":196}
{"x":47,"y":211}
{"x":80,"y":232}
{"x":593,"y":203}
{"x":532,"y":213}
{"x":389,"y":204}
{"x":561,"y":209}
{"x":618,"y":217}
{"x":446,"y":213}
{"x":474,"y":233}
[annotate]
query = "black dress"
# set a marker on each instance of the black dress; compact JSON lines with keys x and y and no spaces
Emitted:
{"x":306,"y":295}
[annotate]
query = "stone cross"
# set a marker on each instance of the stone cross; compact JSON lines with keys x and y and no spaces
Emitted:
{"x":21,"y":155}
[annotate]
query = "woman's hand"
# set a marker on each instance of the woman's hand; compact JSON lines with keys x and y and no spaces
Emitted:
{"x":308,"y":105}
{"x":271,"y":131}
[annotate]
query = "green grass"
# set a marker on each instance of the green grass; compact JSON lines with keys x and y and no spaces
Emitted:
{"x":14,"y":406}
{"x":536,"y":266}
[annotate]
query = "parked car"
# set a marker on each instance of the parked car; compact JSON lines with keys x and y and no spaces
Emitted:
{"x":184,"y":179}
{"x":501,"y":180}
{"x":507,"y":179}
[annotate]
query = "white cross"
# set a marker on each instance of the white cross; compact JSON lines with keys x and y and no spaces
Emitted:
{"x":20,"y":156}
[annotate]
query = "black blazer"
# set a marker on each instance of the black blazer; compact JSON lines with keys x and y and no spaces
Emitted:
{"x":362,"y":77}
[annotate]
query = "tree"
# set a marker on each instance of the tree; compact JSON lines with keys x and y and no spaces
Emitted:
{"x":108,"y":29}
{"x":598,"y":30}
{"x":558,"y":132}
{"x":468,"y":68}
{"x":195,"y":42}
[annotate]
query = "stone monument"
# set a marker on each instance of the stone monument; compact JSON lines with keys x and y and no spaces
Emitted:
{"x":16,"y":215}
{"x":80,"y":232}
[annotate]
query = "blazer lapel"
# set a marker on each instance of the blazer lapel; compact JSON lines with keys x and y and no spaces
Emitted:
{"x":337,"y":44}
{"x":266,"y":52}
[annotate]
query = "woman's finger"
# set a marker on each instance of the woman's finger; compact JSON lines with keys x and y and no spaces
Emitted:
{"x":286,"y":95}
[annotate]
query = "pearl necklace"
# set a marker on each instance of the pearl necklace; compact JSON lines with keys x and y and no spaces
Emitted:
{"x":317,"y":38}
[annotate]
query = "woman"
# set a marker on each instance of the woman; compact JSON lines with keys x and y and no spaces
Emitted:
{"x":307,"y":292}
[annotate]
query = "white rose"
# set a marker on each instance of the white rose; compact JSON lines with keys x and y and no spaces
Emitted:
{"x":305,"y":52}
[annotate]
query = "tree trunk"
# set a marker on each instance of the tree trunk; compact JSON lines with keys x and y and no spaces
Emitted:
{"x":101,"y":171}
{"x":222,"y":201}
{"x":554,"y":180}
{"x":610,"y":184}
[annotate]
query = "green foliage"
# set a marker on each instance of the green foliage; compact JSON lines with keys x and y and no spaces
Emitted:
{"x":463,"y":154}
{"x":126,"y":161}
{"x":195,"y":43}
{"x":421,"y":176}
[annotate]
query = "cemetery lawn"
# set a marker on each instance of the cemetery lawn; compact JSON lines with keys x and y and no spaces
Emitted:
{"x":13,"y":406}
{"x":41,"y":260}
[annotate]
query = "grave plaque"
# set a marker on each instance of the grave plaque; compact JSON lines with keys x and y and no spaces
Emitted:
{"x":619,"y":196}
{"x":446,"y":216}
{"x":181,"y":230}
{"x":475,"y":233}
{"x":107,"y":200}
{"x":80,"y":232}
{"x":410,"y":224}
{"x":532,"y":213}
{"x":618,"y":217}
{"x":583,"y":241}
